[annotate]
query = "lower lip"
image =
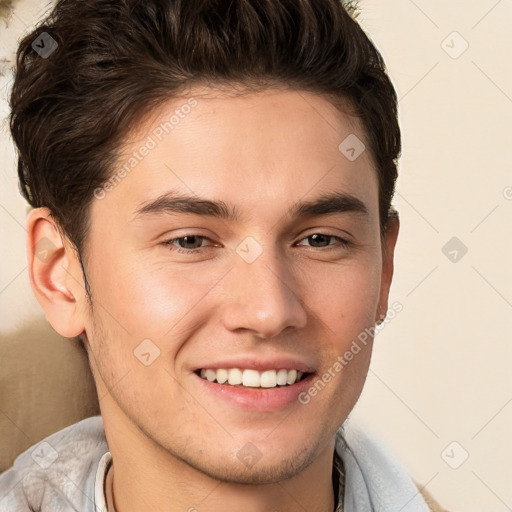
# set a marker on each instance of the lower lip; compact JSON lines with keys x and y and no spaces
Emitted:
{"x":258,"y":399}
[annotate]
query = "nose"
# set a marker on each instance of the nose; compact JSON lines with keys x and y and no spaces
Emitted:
{"x":262,"y":297}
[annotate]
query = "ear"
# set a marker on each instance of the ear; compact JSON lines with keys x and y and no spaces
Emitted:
{"x":55,"y":274}
{"x":388,"y":252}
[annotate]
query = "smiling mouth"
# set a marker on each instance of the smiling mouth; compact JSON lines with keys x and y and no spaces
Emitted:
{"x":249,"y":378}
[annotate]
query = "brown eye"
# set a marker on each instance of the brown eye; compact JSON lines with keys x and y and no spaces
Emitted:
{"x":320,"y":240}
{"x":190,"y":241}
{"x":187,"y":244}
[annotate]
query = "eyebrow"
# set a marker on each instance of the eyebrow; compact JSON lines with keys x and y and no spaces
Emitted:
{"x":177,"y":202}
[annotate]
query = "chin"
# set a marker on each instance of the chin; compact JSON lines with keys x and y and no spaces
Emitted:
{"x":253,"y":463}
{"x":258,"y":472}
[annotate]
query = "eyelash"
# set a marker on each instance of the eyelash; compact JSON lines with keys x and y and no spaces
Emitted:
{"x":169,"y":243}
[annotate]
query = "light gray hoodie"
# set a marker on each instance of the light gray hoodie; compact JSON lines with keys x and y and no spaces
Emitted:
{"x":62,"y":473}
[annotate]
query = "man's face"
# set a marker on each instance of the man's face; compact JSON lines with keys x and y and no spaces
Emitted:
{"x":271,"y":289}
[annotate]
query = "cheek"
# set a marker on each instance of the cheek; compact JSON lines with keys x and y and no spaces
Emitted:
{"x":346,"y":298}
{"x":154,"y":300}
{"x":167,"y":302}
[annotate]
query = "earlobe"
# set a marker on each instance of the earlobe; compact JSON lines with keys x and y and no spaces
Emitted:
{"x":52,"y":271}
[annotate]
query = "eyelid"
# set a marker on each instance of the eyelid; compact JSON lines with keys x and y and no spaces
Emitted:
{"x":328,"y":231}
{"x":344,"y":242}
{"x":169,"y":242}
{"x":341,"y":240}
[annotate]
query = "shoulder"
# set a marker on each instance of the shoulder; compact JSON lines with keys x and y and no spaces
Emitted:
{"x":374,"y":477}
{"x":58,"y":472}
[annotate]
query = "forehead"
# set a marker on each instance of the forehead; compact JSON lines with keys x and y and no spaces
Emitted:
{"x":262,"y":149}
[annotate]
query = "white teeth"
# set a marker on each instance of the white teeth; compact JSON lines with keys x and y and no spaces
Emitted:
{"x":292,"y":375}
{"x":269,"y":379}
{"x":252,"y":378}
{"x":282,"y":376}
{"x":234,"y":376}
{"x":222,"y":376}
{"x":211,"y":375}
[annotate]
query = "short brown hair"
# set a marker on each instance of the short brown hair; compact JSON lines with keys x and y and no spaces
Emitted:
{"x":115,"y":61}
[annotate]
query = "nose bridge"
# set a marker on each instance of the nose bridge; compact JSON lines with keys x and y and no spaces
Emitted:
{"x":261,"y":294}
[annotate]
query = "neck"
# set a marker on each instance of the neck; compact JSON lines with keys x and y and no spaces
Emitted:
{"x":159,"y":481}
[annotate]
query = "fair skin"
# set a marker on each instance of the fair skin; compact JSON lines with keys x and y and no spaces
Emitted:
{"x":177,"y":439}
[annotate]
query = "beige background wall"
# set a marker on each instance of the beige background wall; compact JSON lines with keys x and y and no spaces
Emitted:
{"x":440,"y":385}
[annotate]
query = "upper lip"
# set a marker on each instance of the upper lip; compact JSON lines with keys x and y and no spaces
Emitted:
{"x":253,"y":363}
